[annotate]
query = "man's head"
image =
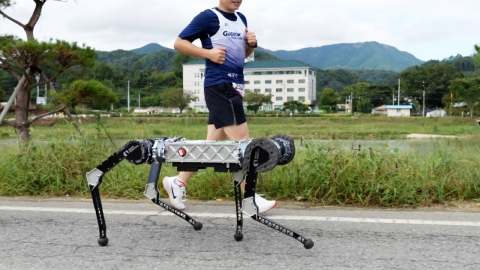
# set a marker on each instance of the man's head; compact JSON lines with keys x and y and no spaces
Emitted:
{"x":229,"y":5}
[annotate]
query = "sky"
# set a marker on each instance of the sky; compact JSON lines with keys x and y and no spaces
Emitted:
{"x":428,"y":29}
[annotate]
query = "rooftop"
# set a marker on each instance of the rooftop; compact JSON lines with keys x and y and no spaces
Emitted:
{"x":399,"y":106}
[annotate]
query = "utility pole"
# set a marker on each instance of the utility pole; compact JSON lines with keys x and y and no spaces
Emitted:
{"x":128,"y":96}
{"x":423,"y":83}
{"x":351,"y":101}
{"x":139,"y":101}
{"x":398,"y":103}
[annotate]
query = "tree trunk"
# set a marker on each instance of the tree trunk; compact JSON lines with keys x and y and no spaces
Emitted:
{"x":22,"y":127}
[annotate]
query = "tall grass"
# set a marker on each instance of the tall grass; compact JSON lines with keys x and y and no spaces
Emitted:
{"x":331,"y":176}
{"x":447,"y":171}
{"x":319,"y":174}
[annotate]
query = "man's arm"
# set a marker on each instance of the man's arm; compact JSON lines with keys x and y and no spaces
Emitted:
{"x":216,"y":55}
{"x":251,"y":42}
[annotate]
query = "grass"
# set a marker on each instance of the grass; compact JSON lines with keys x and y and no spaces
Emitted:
{"x":322,"y":173}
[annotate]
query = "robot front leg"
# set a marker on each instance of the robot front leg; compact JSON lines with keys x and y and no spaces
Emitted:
{"x":152,"y":193}
{"x":238,"y":178}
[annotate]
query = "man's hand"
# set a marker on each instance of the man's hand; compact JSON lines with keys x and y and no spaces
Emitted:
{"x":251,"y":38}
{"x":217,"y":55}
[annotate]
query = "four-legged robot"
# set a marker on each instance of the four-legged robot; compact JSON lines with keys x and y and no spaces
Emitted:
{"x":244,"y":159}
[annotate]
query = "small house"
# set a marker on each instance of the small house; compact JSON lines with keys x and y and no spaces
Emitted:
{"x":398,"y":110}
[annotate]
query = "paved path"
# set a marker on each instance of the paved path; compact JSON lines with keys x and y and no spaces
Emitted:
{"x":62,"y":234}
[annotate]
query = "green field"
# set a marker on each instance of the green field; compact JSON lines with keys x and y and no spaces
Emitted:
{"x":438,"y":171}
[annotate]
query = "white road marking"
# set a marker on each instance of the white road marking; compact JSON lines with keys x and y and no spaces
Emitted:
{"x":223,"y":215}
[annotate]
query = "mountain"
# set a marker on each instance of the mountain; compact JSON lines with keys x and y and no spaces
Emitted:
{"x":364,"y":55}
{"x":161,"y":60}
{"x":149,"y":48}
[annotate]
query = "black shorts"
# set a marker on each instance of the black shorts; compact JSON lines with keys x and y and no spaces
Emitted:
{"x":225,"y":105}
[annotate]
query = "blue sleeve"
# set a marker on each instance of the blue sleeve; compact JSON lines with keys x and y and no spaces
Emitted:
{"x":204,"y":25}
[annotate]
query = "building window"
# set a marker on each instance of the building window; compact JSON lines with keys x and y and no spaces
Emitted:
{"x":279,"y":81}
{"x":269,"y":72}
{"x":247,"y":82}
{"x":256,"y":90}
{"x":279,"y":90}
{"x":301,"y":81}
{"x":256,"y":82}
{"x":268,"y":81}
{"x":257,"y":73}
{"x":289,"y":98}
{"x":268,"y":90}
{"x":301,"y":98}
{"x":290,"y":81}
{"x":278,"y":98}
{"x":302,"y":89}
{"x":289,"y":89}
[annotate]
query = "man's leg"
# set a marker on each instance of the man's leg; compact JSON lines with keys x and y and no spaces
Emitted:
{"x":240,"y":132}
{"x":175,"y":186}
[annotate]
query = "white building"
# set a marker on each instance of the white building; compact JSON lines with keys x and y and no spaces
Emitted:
{"x":285,"y":80}
{"x":398,"y":110}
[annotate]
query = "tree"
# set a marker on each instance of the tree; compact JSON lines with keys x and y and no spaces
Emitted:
{"x":176,"y":98}
{"x":28,"y":27}
{"x":466,"y":90}
{"x":477,"y":55}
{"x":329,"y":97}
{"x":92,"y":93}
{"x":255,"y":100}
{"x":25,"y":59}
{"x":357,"y":90}
{"x":433,"y":77}
{"x":364,"y":105}
{"x":295,"y":105}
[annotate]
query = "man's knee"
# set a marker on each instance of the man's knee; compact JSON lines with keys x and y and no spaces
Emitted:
{"x":237,"y":132}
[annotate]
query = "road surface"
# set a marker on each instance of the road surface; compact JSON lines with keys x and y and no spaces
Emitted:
{"x":63,"y":233}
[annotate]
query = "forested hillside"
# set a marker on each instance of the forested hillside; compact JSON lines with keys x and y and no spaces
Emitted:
{"x":161,"y":60}
{"x":151,"y":73}
{"x":365,"y":55}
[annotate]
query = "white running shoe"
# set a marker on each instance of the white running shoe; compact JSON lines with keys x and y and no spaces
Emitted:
{"x":175,"y":192}
{"x":263,"y":204}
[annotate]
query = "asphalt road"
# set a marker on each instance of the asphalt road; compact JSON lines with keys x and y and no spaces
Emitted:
{"x":63,"y":234}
